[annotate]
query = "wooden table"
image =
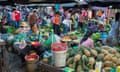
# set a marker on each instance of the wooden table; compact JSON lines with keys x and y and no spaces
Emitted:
{"x":3,"y":46}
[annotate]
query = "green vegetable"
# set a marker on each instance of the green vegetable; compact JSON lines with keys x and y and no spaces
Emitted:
{"x":96,"y":36}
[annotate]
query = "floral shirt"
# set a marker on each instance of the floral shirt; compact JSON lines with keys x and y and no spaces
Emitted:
{"x":34,"y":37}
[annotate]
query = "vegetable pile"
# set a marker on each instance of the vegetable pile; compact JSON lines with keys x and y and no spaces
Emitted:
{"x":84,"y":59}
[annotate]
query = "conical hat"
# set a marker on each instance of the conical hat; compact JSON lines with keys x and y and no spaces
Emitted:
{"x":24,"y":24}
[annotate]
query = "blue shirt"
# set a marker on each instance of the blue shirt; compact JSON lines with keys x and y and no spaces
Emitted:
{"x":112,"y":32}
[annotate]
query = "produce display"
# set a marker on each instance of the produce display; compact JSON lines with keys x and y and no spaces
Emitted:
{"x":66,"y":38}
{"x":84,"y":59}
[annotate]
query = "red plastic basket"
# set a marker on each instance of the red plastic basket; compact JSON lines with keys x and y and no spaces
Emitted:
{"x":59,"y":46}
{"x":28,"y":57}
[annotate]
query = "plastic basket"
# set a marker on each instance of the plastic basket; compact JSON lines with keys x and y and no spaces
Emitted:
{"x":59,"y":46}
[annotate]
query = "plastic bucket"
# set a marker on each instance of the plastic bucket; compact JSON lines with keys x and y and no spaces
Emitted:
{"x":31,"y":62}
{"x":103,"y":35}
{"x":59,"y":54}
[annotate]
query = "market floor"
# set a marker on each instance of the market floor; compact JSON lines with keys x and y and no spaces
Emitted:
{"x":13,"y":63}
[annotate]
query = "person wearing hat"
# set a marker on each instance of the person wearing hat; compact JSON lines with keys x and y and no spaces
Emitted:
{"x":31,"y":38}
{"x":24,"y":28}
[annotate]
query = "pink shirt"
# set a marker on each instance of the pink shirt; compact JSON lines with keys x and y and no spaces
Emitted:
{"x":88,"y":43}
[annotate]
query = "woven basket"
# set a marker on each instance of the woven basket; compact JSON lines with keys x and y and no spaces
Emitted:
{"x":48,"y":68}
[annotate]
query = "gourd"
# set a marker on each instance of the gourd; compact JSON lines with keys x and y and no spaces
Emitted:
{"x":79,"y":68}
{"x":107,"y":69}
{"x":98,"y":49}
{"x":86,"y":52}
{"x":85,"y":63}
{"x":112,"y":50}
{"x":117,"y":55}
{"x":108,"y":57}
{"x":114,"y":59}
{"x":72,"y":53}
{"x":67,"y":56}
{"x":74,"y":65}
{"x":105,"y":47}
{"x":108,"y":64}
{"x":104,"y":51}
{"x":70,"y":60}
{"x":100,"y":57}
{"x":91,"y":62}
{"x":118,"y":62}
{"x":85,"y":59}
{"x":93,"y":52}
{"x":77,"y":57}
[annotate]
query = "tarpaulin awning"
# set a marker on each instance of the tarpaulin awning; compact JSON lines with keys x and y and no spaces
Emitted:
{"x":104,"y":3}
{"x":43,"y":1}
{"x":51,"y":4}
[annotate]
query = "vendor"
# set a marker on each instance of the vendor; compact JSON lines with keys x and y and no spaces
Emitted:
{"x":28,"y":39}
{"x":115,"y":29}
{"x":87,"y":41}
{"x":35,"y":36}
{"x":56,"y":24}
{"x":20,"y":37}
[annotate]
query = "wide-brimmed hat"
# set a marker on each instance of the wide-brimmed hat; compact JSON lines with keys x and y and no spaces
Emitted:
{"x":24,"y":24}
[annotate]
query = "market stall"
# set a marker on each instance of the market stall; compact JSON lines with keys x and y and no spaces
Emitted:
{"x":59,"y":37}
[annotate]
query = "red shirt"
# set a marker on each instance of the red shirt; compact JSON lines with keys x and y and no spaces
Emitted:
{"x":56,"y":20}
{"x":17,"y":15}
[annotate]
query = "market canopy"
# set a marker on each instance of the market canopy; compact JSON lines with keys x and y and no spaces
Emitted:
{"x":104,"y":3}
{"x":43,"y":1}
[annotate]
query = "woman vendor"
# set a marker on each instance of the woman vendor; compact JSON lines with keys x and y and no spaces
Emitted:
{"x":87,"y":41}
{"x":31,"y":38}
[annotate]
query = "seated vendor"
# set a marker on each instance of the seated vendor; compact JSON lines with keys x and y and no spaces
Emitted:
{"x":34,"y":36}
{"x":87,"y":41}
{"x":30,"y":38}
